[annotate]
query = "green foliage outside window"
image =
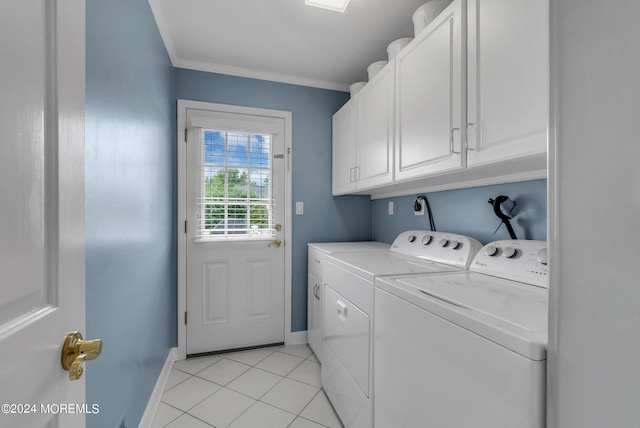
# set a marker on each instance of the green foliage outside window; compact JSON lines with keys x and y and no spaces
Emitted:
{"x":237,"y":185}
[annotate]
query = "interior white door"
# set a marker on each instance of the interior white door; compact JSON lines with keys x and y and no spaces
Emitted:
{"x":42,"y":214}
{"x":235,"y":231}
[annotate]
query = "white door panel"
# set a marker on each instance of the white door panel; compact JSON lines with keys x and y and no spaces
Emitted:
{"x":508,"y":62}
{"x":430,"y":87}
{"x":235,"y":282}
{"x":344,"y":152}
{"x":42,"y":214}
{"x":374,"y":131}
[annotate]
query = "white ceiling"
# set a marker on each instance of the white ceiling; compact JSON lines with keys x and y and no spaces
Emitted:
{"x":282,"y":40}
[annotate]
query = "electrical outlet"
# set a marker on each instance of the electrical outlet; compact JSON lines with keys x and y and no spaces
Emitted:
{"x":299,"y":208}
{"x":422,"y":207}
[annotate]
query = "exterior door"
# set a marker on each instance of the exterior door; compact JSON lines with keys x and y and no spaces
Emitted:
{"x":42,"y":211}
{"x":235,"y":263}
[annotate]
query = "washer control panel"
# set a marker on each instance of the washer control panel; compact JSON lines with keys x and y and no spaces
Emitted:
{"x":442,"y":247}
{"x":518,"y":260}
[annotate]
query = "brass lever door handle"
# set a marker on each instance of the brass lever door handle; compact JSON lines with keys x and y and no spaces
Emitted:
{"x":76,"y":351}
{"x":276,"y":243}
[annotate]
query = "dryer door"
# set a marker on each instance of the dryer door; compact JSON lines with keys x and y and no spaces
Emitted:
{"x":346,"y":334}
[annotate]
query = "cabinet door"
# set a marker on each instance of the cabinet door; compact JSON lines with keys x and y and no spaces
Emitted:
{"x":430,"y":83}
{"x":374,"y":130}
{"x":344,"y":150}
{"x":508,"y":63}
{"x":314,"y":312}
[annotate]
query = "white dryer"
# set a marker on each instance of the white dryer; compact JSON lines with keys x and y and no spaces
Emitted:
{"x":348,"y":290}
{"x":465,"y":349}
{"x":317,"y":255}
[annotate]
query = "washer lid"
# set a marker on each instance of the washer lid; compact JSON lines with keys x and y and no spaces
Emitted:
{"x":347,"y":247}
{"x":506,"y":312}
{"x":370,"y":265}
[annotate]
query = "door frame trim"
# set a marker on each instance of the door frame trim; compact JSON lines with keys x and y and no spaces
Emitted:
{"x":183,"y":105}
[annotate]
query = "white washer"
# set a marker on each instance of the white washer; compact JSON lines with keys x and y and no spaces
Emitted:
{"x":317,"y":255}
{"x":348,"y":289}
{"x":465,"y":349}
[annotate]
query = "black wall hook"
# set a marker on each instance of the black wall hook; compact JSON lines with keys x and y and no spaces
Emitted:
{"x":502,"y":207}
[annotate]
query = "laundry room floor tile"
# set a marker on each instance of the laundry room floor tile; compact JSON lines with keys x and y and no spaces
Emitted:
{"x":195,"y":365}
{"x":307,"y":372}
{"x":270,"y":388}
{"x":250,"y":358}
{"x":320,"y":410}
{"x":189,"y":393}
{"x":304,"y":423}
{"x":222,"y":408}
{"x":302,"y":351}
{"x":254,"y":382}
{"x":280,"y":363}
{"x":224,"y":371}
{"x":165,"y":415}
{"x":188,"y":421}
{"x":290,"y":395}
{"x":176,"y":377}
{"x":263,"y":415}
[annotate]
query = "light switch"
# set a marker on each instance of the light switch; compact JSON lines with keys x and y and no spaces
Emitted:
{"x":299,"y":208}
{"x":390,"y":207}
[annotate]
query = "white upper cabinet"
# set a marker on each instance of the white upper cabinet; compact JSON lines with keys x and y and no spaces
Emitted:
{"x":363,"y":137}
{"x":469,"y":107}
{"x":374,"y":130}
{"x":508,"y":69}
{"x":429,"y":84}
{"x":344,"y":150}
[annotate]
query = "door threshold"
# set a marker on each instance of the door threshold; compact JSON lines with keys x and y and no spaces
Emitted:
{"x":228,"y":351}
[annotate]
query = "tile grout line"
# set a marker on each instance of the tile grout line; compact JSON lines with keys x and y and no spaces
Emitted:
{"x":258,"y":400}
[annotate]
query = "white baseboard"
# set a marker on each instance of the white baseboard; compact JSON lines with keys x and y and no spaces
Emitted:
{"x":156,"y":395}
{"x":296,"y":338}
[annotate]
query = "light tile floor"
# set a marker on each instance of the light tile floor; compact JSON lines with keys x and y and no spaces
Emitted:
{"x":266,"y":388}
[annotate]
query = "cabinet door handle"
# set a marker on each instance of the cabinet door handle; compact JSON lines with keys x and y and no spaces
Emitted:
{"x":315,"y":292}
{"x":451,"y":140}
{"x":342,"y":310}
{"x":352,"y":175}
{"x":467,"y":136}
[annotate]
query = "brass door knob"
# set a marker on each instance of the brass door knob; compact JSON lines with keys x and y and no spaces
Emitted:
{"x":276,"y":243}
{"x":76,"y":351}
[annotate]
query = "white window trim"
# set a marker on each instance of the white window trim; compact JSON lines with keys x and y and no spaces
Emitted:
{"x":289,"y":337}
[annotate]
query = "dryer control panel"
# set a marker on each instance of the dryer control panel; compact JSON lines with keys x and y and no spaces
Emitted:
{"x":442,"y":247}
{"x":518,"y":260}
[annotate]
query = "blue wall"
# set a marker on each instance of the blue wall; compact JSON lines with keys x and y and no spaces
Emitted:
{"x":467,"y":212}
{"x":130,"y":192}
{"x":346,"y":218}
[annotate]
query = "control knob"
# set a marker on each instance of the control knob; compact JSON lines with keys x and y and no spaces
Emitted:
{"x":542,"y":256}
{"x":411,"y":238}
{"x":509,"y":252}
{"x":491,"y":250}
{"x":443,"y":242}
{"x":455,"y":244}
{"x":426,"y":239}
